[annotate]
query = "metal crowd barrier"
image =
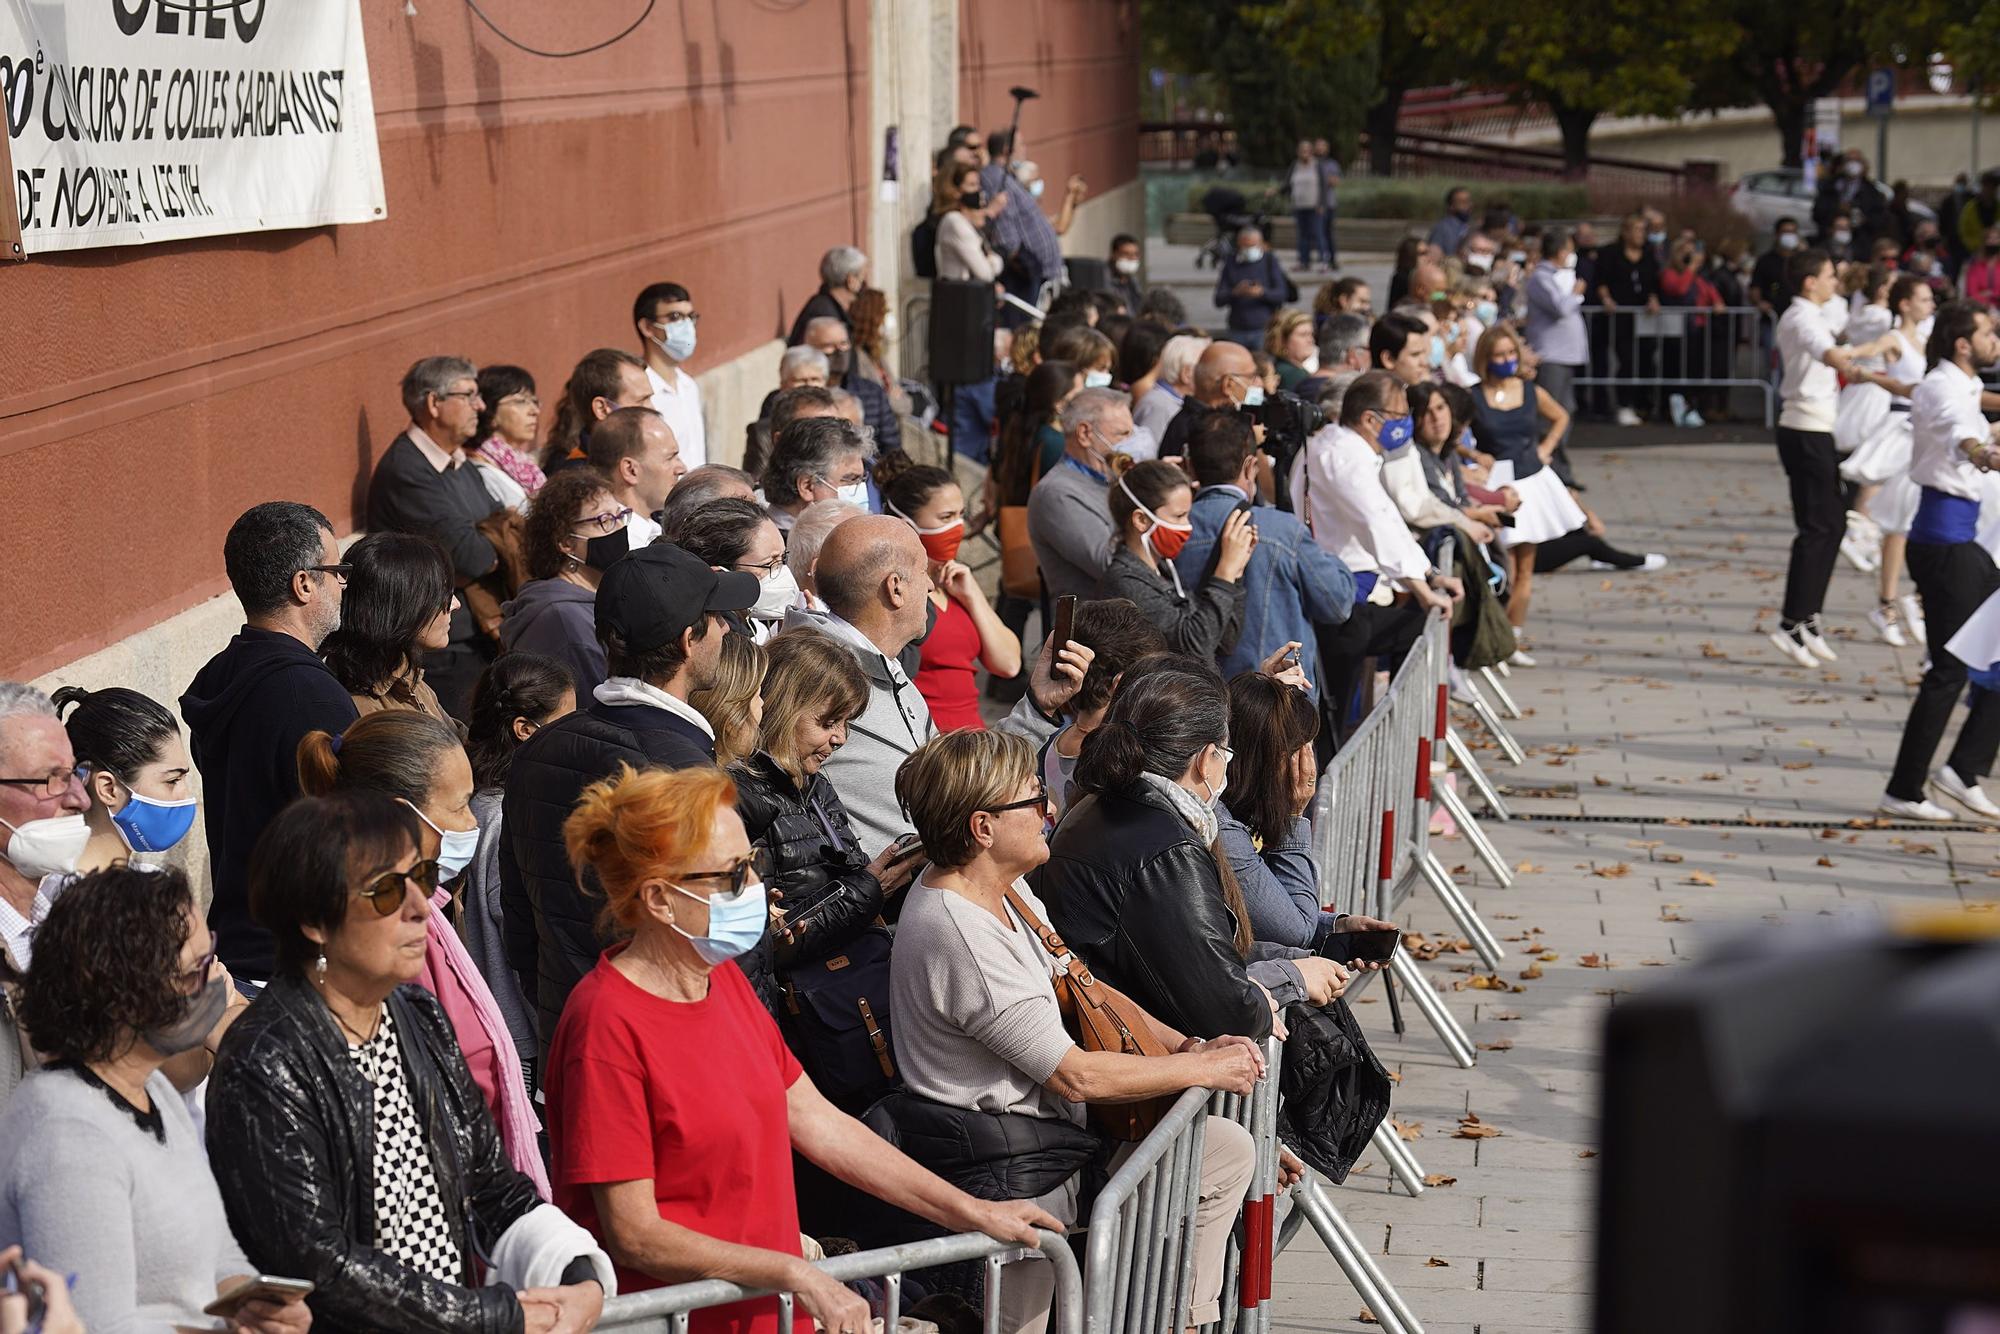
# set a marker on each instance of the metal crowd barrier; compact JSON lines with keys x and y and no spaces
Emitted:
{"x":1679,"y":349}
{"x":666,"y":1310}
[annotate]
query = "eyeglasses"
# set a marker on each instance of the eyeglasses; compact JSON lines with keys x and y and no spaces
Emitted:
{"x":386,"y":892}
{"x":52,"y":784}
{"x":191,"y":979}
{"x":472,"y":394}
{"x":339,"y":572}
{"x":677,"y":316}
{"x":832,"y":485}
{"x":1039,"y":801}
{"x":764,"y":569}
{"x":755,"y":866}
{"x":608,"y":522}
{"x":520,"y":401}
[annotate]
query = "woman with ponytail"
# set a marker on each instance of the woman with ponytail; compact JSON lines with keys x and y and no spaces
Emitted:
{"x":1149,"y":506}
{"x":965,"y":631}
{"x":1136,"y":880}
{"x":417,"y":762}
{"x":136,"y":769}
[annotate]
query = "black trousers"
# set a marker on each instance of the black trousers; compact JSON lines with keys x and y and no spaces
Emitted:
{"x":1638,"y":358}
{"x":1382,"y":633}
{"x":1812,"y":467}
{"x":1952,"y":581}
{"x":1579,"y":542}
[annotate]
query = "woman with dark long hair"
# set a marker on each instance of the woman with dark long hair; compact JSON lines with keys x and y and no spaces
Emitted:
{"x":1030,"y":432}
{"x":397,"y":607}
{"x":1149,"y":507}
{"x":503,"y":440}
{"x":1136,"y":878}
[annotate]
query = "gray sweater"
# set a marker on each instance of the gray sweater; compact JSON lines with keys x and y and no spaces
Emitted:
{"x":86,"y":1191}
{"x":1069,"y":524}
{"x":480,"y":927}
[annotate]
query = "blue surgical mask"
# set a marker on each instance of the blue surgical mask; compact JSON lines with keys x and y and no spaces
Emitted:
{"x":1253,"y":397}
{"x":735,"y":922}
{"x":1035,"y":187}
{"x":153,"y":826}
{"x":1396,"y":431}
{"x":1097,"y":379}
{"x":679,"y":342}
{"x":456,"y":847}
{"x":1486,"y":312}
{"x":1503,"y":369}
{"x":1437,"y":351}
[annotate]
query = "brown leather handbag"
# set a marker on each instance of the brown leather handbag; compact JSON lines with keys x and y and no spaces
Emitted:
{"x":1101,"y":1018}
{"x":507,"y":531}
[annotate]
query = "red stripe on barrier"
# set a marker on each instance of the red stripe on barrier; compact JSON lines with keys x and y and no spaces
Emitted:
{"x":1443,"y":711}
{"x":1250,"y":1283}
{"x":1270,"y":1241}
{"x":1423,"y":768}
{"x":1386,"y":866}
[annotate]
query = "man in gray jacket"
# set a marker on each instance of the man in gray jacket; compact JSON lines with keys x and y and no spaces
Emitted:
{"x":1069,"y":522}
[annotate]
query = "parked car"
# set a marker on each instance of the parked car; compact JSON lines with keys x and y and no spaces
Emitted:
{"x":1781,"y":192}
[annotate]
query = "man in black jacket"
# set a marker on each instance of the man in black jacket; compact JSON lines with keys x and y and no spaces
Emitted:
{"x":657,"y":617}
{"x":248,"y":709}
{"x":424,"y":485}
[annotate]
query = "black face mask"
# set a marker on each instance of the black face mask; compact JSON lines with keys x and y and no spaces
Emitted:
{"x":599,"y":552}
{"x":972,"y":198}
{"x":836,"y":365}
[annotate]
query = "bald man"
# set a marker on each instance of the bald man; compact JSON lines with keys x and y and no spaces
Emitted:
{"x":874,"y":578}
{"x":1225,"y":378}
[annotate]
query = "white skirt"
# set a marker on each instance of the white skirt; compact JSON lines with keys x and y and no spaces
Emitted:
{"x":1977,"y":643}
{"x":1547,"y":509}
{"x":1882,"y":454}
{"x":1894,"y":506}
{"x":1860,"y":415}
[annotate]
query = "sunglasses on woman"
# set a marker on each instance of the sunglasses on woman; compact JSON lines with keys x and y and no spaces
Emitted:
{"x":1040,"y":801}
{"x":755,"y":866}
{"x":386,"y":892}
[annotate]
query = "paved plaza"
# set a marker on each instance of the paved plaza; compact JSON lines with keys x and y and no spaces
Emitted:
{"x":1682,"y":782}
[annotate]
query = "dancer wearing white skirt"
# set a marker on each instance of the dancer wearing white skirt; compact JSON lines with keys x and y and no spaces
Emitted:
{"x":1874,"y":423}
{"x":1507,"y":421}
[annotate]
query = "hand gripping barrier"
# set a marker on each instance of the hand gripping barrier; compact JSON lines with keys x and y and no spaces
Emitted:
{"x":1139,"y":1269}
{"x":666,"y":1310}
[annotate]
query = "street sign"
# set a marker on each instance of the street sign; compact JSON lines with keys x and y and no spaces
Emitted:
{"x":1881,"y":91}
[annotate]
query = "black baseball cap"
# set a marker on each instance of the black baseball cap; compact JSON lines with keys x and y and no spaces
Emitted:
{"x":650,"y":597}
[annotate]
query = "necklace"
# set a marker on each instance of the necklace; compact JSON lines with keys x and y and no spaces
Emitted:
{"x":351,"y":1030}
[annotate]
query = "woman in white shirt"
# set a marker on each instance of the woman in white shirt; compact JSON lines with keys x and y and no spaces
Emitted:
{"x":1873,"y":420}
{"x":962,"y":252}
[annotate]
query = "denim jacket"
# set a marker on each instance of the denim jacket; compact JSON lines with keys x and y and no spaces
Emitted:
{"x":1290,"y":584}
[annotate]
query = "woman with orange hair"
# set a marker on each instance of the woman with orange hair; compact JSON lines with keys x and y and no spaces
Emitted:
{"x":673,"y":1104}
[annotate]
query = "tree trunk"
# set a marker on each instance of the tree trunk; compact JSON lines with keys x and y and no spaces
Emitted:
{"x":1575,"y":123}
{"x":1791,"y":111}
{"x":1381,"y":126}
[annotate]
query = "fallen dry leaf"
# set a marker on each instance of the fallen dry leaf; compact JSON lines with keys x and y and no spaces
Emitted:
{"x":1615,"y":871}
{"x":1592,"y":961}
{"x":1829,"y":833}
{"x":1678,"y":822}
{"x":1531,"y":972}
{"x":1828,"y":861}
{"x":1586,"y":1153}
{"x":1435,"y":1263}
{"x":1672,"y":857}
{"x":1407,"y":1129}
{"x":1367,"y":1317}
{"x":1526,"y":867}
{"x":1486,"y":982}
{"x":1471,"y":1127}
{"x":1548,"y":956}
{"x":1699,"y":878}
{"x":1498,"y":1044}
{"x":1798,"y":764}
{"x":1668,"y":913}
{"x":1503,"y":1017}
{"x":1439,"y":1179}
{"x":1652,"y":963}
{"x":1642,"y":843}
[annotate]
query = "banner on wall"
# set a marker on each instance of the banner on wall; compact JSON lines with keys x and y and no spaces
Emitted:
{"x":136,"y":121}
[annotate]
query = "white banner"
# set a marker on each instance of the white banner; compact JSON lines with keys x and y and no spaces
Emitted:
{"x":134,"y":121}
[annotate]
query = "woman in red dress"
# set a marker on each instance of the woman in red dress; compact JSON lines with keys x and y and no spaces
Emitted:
{"x":967,"y":633}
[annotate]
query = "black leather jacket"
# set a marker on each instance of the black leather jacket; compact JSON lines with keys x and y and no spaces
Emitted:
{"x":291,"y":1141}
{"x":1133,"y":892}
{"x":815,"y":855}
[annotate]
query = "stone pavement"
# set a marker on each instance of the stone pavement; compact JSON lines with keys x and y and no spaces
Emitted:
{"x":1668,"y":745}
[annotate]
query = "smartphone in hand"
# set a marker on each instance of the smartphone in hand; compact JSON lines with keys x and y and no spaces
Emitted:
{"x":1064,"y":622}
{"x":1361,"y":946}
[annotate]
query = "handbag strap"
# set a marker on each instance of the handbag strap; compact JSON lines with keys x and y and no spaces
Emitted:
{"x":1079,"y":972}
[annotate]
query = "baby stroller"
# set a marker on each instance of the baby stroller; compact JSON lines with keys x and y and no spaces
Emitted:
{"x":1231,"y":212}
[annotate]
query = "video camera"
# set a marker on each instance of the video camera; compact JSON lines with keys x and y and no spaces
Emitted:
{"x":1288,"y":421}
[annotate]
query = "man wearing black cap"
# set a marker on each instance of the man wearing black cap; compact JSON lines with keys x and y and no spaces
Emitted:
{"x":659,"y":619}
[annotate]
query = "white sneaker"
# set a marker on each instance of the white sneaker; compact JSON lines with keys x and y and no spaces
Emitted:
{"x":1677,"y":408}
{"x":1855,"y":550}
{"x":1888,"y":623}
{"x":1914,"y":810}
{"x":1520,"y":658}
{"x":1913,"y":617}
{"x":1627,"y":417}
{"x":1654,"y":561}
{"x":1968,"y":795}
{"x":1817,"y":641}
{"x":1694,"y":421}
{"x":1792,"y":645}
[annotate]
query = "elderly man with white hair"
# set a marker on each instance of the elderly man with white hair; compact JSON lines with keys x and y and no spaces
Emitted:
{"x":801,"y":365}
{"x":1160,"y":404}
{"x":814,"y":524}
{"x":1069,"y":521}
{"x":843,"y":272}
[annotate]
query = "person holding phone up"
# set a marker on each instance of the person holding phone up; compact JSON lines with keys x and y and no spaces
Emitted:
{"x":102,"y":1174}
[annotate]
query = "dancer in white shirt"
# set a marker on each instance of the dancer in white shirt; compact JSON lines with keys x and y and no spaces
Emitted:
{"x":1874,"y":423}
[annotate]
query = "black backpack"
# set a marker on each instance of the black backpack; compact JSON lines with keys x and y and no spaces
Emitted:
{"x":834,"y":1014}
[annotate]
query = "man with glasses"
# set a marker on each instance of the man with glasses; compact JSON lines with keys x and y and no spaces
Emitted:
{"x":665,"y":317}
{"x":659,"y":616}
{"x":42,"y":803}
{"x":816,"y":458}
{"x":425,"y":485}
{"x":641,"y":459}
{"x":1069,"y":519}
{"x":1224,"y":378}
{"x":248,"y":709}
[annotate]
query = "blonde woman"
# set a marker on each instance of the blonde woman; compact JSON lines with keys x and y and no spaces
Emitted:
{"x":1290,"y":341}
{"x":734,"y":704}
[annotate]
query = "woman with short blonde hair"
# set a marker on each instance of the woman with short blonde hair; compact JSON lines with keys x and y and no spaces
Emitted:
{"x":732,"y":702}
{"x":1290,"y":340}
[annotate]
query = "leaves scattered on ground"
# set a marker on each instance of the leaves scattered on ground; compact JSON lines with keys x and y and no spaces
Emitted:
{"x":1471,"y":1127}
{"x":1439,"y":1179}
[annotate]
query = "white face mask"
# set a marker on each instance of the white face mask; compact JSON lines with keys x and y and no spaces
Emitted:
{"x":456,"y":847}
{"x":1128,"y":267}
{"x":854,"y":494}
{"x":47,"y":847}
{"x":1569,"y":260}
{"x":777,"y":593}
{"x":1035,"y":187}
{"x":1311,"y":364}
{"x":889,"y":327}
{"x":1252,"y":255}
{"x":1788,"y":240}
{"x":1478,"y":262}
{"x":1097,"y":379}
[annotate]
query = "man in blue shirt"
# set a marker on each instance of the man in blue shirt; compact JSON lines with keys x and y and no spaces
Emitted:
{"x":1252,"y":285}
{"x":1449,"y":232}
{"x":1290,"y":584}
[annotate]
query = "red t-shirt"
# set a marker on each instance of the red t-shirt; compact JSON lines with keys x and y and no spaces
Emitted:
{"x":691,"y":1094}
{"x":946,"y":675}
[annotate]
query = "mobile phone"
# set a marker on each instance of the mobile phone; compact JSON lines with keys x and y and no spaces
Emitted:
{"x":907,"y":845}
{"x":262,"y":1288}
{"x":17,"y":1281}
{"x":1365,"y":946}
{"x":1065,"y":621}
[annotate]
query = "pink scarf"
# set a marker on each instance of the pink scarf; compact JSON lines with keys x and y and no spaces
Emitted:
{"x":455,"y":980}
